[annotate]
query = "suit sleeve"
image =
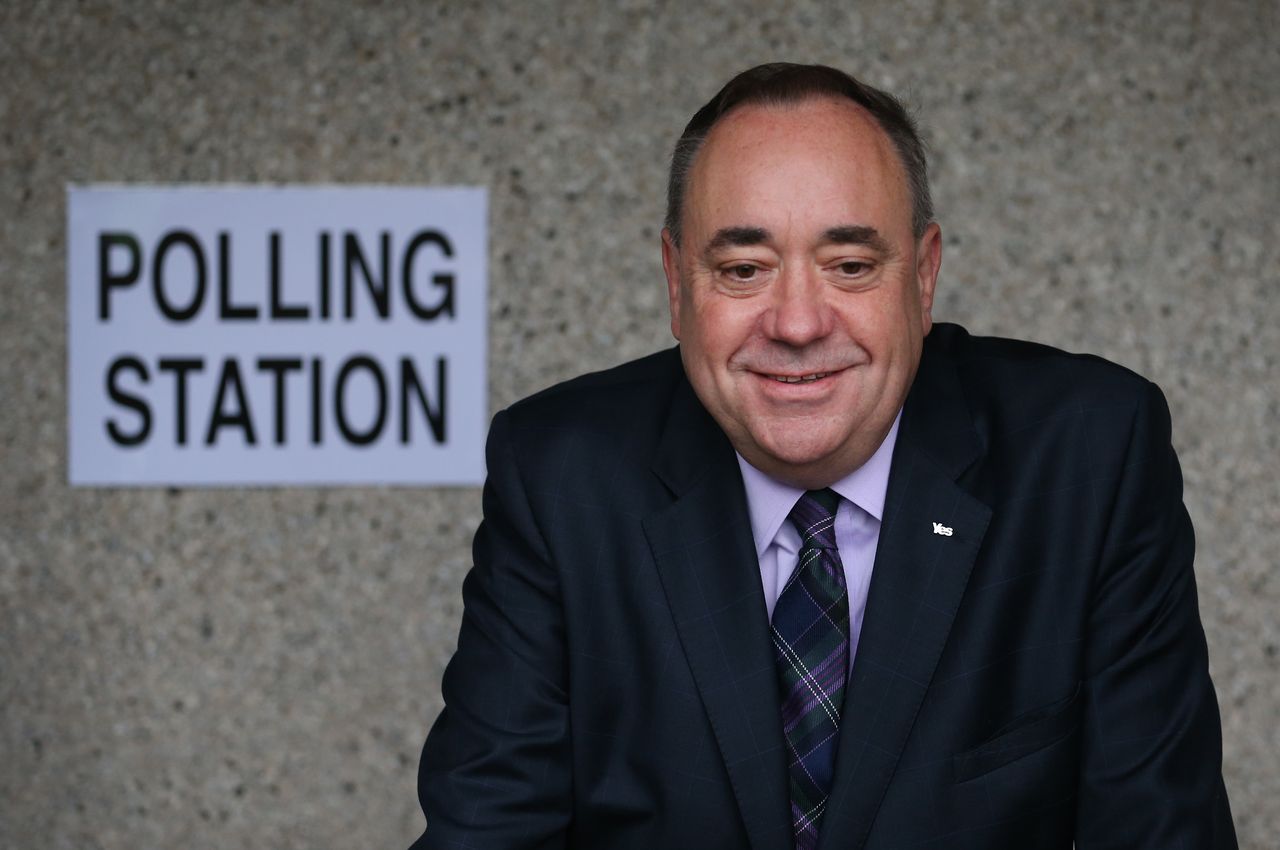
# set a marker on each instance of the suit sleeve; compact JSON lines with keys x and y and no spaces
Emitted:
{"x":1151,"y":772}
{"x":495,"y":769}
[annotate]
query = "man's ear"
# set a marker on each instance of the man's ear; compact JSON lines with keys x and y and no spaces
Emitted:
{"x":928,"y":263}
{"x":671,"y":266}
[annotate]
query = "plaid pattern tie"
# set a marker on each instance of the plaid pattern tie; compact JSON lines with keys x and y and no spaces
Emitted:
{"x":811,"y":641}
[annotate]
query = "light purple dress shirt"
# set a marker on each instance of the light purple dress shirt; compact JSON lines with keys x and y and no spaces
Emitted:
{"x":857,"y":528}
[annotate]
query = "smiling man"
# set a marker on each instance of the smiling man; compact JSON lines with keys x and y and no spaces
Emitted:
{"x":827,"y":575}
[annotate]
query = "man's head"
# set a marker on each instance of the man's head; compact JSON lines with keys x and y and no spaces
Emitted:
{"x":800,"y":260}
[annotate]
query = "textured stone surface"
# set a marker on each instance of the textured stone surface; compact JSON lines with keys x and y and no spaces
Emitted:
{"x":258,"y":668}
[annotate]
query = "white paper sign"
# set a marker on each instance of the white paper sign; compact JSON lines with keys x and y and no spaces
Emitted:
{"x":276,"y":335}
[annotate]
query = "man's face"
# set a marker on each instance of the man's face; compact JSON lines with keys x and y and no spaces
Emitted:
{"x":799,"y":294}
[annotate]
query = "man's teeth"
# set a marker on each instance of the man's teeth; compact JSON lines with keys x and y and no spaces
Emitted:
{"x":796,"y":379}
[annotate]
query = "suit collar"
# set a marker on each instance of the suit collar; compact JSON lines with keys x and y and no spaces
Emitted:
{"x":691,"y":440}
{"x":937,"y":421}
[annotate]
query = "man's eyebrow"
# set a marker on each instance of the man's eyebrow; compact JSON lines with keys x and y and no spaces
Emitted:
{"x":857,"y":234}
{"x":844,"y":234}
{"x":737,"y":236}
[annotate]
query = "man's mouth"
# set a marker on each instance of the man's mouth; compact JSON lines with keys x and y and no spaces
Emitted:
{"x":799,"y":379}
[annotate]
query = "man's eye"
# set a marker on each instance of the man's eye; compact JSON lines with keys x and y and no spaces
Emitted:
{"x":742,"y":271}
{"x":853,"y":267}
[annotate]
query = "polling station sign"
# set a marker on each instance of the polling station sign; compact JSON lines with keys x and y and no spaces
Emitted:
{"x":288,"y":335}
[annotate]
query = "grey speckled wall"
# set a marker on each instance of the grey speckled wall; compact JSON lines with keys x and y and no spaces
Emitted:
{"x":257,"y":668}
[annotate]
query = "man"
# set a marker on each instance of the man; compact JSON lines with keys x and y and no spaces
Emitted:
{"x":830,"y":575}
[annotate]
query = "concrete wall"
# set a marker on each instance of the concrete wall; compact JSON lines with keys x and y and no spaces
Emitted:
{"x":257,"y":668}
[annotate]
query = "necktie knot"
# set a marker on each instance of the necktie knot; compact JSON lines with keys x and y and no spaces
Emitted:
{"x":814,"y":516}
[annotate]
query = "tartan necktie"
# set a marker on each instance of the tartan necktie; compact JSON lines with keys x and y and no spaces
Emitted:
{"x":811,"y":641}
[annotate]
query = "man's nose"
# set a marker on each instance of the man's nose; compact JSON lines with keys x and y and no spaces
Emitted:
{"x":799,"y":313}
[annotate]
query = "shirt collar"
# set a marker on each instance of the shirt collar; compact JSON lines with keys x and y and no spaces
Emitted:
{"x":769,"y":501}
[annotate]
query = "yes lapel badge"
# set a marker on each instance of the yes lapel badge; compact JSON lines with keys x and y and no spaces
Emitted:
{"x":944,"y":530}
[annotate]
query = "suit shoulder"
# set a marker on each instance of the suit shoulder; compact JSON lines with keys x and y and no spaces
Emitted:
{"x":1039,"y":375}
{"x":609,"y":403}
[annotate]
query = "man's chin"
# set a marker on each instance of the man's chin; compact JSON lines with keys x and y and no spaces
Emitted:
{"x":794,"y":460}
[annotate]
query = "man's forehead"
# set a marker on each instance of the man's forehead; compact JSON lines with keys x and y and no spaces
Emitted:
{"x":821,"y":153}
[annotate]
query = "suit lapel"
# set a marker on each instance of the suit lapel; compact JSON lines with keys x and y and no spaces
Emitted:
{"x":702,"y":545}
{"x":917,"y":584}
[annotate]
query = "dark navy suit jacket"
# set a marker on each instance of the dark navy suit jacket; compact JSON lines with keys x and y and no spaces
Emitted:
{"x":1036,"y":678}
